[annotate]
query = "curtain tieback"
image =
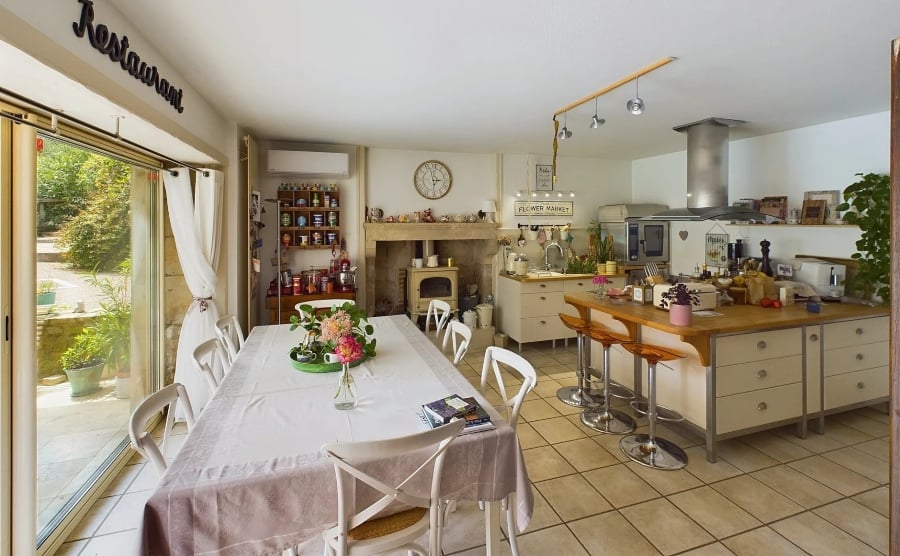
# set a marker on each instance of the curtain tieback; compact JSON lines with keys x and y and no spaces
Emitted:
{"x":204,"y":302}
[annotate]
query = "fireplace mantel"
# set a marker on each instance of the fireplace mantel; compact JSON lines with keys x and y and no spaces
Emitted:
{"x":484,"y":234}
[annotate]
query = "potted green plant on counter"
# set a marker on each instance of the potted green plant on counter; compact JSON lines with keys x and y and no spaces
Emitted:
{"x":83,"y":362}
{"x":867,"y":203}
{"x":679,"y":300}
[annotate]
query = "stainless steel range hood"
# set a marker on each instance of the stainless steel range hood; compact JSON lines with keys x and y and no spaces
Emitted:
{"x":707,"y":175}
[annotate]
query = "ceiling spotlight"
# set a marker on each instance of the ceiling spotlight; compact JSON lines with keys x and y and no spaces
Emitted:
{"x":596,"y":120}
{"x":519,"y":193}
{"x":559,"y":193}
{"x":571,"y":193}
{"x":564,"y":133}
{"x":636,"y":104}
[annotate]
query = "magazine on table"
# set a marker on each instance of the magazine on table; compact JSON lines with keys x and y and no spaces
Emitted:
{"x":476,"y":421}
{"x":446,"y":409}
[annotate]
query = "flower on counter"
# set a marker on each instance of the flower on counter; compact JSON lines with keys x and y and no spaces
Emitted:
{"x":601,"y":279}
{"x":343,"y":330}
{"x":679,"y":294}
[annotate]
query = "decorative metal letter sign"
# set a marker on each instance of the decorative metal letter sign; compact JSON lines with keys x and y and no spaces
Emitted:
{"x":544,"y":208}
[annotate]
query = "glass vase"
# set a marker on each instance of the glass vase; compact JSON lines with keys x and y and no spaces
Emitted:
{"x":345,"y":396}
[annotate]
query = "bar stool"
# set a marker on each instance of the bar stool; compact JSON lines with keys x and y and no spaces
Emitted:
{"x":648,"y":449}
{"x":603,"y":418}
{"x":576,"y":395}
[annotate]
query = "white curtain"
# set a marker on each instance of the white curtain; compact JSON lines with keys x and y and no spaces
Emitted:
{"x":196,"y":225}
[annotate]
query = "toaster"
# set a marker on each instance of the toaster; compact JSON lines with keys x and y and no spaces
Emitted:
{"x":705,"y":292}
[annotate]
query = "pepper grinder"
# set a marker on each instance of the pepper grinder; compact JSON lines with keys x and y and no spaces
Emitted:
{"x":765,"y":267}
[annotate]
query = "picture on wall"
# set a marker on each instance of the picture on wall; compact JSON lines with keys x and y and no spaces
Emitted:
{"x":544,"y":177}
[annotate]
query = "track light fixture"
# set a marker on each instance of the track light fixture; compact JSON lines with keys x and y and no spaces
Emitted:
{"x":596,"y":120}
{"x":636,"y":104}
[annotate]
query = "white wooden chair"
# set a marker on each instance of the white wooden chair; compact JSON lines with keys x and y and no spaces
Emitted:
{"x":493,"y":356}
{"x":146,"y":409}
{"x":205,"y":357}
{"x":439,"y":311}
{"x":461,"y":336}
{"x":356,"y":532}
{"x":317,"y":304}
{"x":229,"y":331}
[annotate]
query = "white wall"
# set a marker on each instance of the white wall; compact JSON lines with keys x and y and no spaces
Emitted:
{"x":821,"y":157}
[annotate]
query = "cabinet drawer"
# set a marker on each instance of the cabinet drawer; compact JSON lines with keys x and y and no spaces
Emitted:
{"x":579,"y":285}
{"x":854,"y":332}
{"x":542,"y":287}
{"x":537,"y":329}
{"x":855,"y":358}
{"x":759,"y":407}
{"x":856,"y":387}
{"x":755,"y":375}
{"x":744,"y":348}
{"x":544,"y":304}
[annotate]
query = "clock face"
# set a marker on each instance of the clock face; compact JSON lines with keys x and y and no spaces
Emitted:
{"x":432,"y":179}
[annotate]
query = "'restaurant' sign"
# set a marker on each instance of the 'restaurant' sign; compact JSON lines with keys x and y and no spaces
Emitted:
{"x":544,"y":208}
{"x":117,"y":49}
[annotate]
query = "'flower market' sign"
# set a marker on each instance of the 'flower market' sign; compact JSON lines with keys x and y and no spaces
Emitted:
{"x":544,"y":208}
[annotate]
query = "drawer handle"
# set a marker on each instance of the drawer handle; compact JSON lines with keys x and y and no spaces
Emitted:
{"x":580,"y":284}
{"x":860,"y":385}
{"x":762,"y":373}
{"x":859,"y":357}
{"x":859,"y":331}
{"x":543,"y":322}
{"x":543,"y":285}
{"x":813,"y":337}
{"x":762,"y":406}
{"x":543,"y":298}
{"x":760,"y":345}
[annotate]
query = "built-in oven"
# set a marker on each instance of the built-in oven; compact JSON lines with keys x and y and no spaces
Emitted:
{"x":646,"y":241}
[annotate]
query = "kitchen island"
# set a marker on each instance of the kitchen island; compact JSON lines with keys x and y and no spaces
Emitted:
{"x":750,"y":368}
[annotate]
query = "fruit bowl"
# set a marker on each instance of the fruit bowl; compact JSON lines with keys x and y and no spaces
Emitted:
{"x":724,"y":281}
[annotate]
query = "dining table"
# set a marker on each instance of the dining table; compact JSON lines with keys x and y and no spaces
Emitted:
{"x":250,"y":477}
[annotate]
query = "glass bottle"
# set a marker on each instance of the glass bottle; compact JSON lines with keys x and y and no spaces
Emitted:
{"x":285,"y":219}
{"x":345,"y":396}
{"x":315,"y":198}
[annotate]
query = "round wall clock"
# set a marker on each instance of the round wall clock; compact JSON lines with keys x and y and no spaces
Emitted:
{"x":432,"y":179}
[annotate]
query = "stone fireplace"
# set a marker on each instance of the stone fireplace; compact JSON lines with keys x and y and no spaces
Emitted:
{"x":389,"y":249}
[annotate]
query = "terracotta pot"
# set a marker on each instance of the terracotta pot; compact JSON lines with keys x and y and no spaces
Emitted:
{"x":680,"y":315}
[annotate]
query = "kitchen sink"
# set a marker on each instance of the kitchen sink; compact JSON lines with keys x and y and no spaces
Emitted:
{"x":553,"y":274}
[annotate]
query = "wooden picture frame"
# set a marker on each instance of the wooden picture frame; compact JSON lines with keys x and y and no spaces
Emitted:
{"x":813,"y":211}
{"x":543,"y":177}
{"x":832,"y":200}
{"x":774,"y":206}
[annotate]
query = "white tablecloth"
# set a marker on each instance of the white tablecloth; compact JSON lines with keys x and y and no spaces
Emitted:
{"x":250,"y":478}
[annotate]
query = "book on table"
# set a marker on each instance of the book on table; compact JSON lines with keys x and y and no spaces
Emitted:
{"x":445,"y":409}
{"x":476,"y":421}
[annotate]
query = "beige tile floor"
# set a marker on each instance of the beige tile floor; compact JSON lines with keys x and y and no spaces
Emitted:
{"x":769,"y":494}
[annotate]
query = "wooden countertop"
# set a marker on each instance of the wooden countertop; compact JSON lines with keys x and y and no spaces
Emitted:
{"x":539,"y":278}
{"x":734,"y":319}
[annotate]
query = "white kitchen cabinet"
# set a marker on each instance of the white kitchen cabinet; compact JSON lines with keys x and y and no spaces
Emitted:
{"x":854,"y":366}
{"x":758,"y":379}
{"x":528,"y":309}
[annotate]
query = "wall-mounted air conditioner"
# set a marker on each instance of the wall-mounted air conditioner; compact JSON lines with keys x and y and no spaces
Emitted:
{"x":307,"y":163}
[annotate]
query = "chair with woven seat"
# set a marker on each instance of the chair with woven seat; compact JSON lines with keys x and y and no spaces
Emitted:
{"x":493,"y":357}
{"x":461,"y":336}
{"x":604,"y":418}
{"x":356,"y":532}
{"x":229,"y":331}
{"x":648,"y":449}
{"x":578,"y":395}
{"x":211,"y":359}
{"x":146,"y":410}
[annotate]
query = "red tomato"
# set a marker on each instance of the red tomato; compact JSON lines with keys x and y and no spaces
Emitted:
{"x":776,"y":304}
{"x":766,"y":302}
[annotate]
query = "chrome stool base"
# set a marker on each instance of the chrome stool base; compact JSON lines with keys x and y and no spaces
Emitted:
{"x":658,"y":454}
{"x":662,"y":413}
{"x":616,"y":390}
{"x":575,"y":396}
{"x":608,"y":421}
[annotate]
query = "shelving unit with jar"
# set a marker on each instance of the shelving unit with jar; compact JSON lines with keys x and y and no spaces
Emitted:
{"x":309,"y":216}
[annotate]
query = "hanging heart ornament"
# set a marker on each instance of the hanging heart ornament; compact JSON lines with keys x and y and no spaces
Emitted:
{"x":683,"y":234}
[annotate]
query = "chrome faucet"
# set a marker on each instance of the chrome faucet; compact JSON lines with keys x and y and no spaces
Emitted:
{"x":547,"y":253}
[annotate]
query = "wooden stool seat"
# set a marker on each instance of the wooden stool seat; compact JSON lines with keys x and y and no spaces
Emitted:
{"x":649,"y":449}
{"x":605,"y":337}
{"x":579,"y":325}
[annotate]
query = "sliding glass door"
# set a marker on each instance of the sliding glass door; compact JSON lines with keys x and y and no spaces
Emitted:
{"x":80,"y":255}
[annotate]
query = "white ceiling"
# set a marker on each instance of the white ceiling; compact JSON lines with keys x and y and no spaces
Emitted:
{"x":486,"y":76}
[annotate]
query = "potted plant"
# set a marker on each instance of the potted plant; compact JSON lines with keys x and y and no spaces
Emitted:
{"x":324,"y":331}
{"x":113,"y":325}
{"x":46,"y":292}
{"x":868,"y":205}
{"x":83,"y":362}
{"x":678,"y":300}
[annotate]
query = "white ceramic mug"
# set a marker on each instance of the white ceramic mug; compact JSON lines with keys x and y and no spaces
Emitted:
{"x":432,"y":261}
{"x":418,"y":263}
{"x":331,"y":358}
